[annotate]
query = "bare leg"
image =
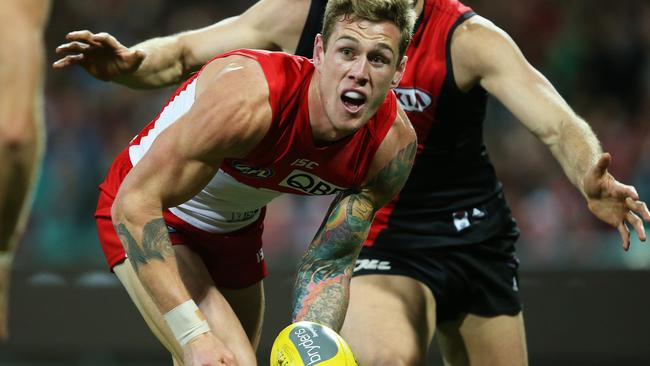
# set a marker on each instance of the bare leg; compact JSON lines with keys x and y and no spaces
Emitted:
{"x":18,"y":172}
{"x":220,"y":316}
{"x":477,"y":340}
{"x":20,"y":159}
{"x":22,"y":133}
{"x":390,"y":320}
{"x":248,"y":305}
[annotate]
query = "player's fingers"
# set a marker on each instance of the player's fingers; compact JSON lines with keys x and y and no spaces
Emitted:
{"x":67,"y":61}
{"x":637,"y":224}
{"x":82,"y":35}
{"x":106,"y":39}
{"x":602,"y":164}
{"x":139,"y":54}
{"x":74,"y":46}
{"x":621,"y":191}
{"x":625,"y":235}
{"x":627,"y":191}
{"x":639,"y":207}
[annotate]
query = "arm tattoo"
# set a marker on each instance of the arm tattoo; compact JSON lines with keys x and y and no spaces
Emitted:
{"x":322,"y":285}
{"x":155,"y":243}
{"x":390,"y":180}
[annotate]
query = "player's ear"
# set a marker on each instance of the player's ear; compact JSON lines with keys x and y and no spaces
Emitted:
{"x":401,"y":67}
{"x":319,"y":51}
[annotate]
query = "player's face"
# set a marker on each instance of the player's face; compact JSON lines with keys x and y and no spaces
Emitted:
{"x":358,"y":69}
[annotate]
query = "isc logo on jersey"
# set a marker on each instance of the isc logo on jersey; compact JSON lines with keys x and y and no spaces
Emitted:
{"x":309,"y":183}
{"x":412,"y":100}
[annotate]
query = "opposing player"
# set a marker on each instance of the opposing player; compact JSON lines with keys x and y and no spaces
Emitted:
{"x":442,"y":255}
{"x":22,"y":131}
{"x":180,"y":213}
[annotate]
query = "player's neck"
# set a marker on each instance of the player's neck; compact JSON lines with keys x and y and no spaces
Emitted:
{"x":322,"y":129}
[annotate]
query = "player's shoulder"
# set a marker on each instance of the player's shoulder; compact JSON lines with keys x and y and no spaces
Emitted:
{"x":232,"y":103}
{"x":402,"y":130}
{"x":478,"y":43}
{"x":239,"y":75}
{"x":395,"y":124}
{"x":284,"y":61}
{"x":402,"y":135}
{"x":283,"y":72}
{"x":392,"y":162}
{"x":400,"y":141}
{"x":240,"y":62}
{"x":272,"y":63}
{"x":477,"y":29}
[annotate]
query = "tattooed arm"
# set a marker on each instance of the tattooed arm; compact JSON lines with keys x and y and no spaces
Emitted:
{"x":321,"y":291}
{"x":179,"y":163}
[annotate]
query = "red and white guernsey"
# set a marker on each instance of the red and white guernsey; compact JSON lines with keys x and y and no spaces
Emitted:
{"x":285,"y":161}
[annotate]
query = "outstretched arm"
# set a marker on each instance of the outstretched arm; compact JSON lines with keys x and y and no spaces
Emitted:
{"x":180,"y":162}
{"x":167,"y":60}
{"x":483,"y":53}
{"x":321,"y":291}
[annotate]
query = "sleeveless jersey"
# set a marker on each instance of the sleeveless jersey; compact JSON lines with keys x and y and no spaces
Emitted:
{"x":285,"y":161}
{"x":452,"y":196}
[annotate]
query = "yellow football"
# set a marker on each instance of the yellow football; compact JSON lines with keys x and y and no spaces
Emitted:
{"x":310,"y":344}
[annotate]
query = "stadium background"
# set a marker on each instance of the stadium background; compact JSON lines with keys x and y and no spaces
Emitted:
{"x":586,"y":300}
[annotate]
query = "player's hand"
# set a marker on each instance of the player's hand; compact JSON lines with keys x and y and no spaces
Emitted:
{"x":100,"y":54}
{"x":207,"y":350}
{"x":615,"y":203}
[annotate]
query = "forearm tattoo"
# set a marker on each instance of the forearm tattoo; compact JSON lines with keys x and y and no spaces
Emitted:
{"x":155,"y":243}
{"x":322,"y":284}
{"x":390,"y":180}
{"x":323,"y":280}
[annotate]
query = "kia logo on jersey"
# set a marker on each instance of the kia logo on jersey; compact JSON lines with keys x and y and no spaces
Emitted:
{"x":412,"y":100}
{"x":309,"y":183}
{"x":250,"y":171}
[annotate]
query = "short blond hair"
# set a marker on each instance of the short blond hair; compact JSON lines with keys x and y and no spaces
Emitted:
{"x":399,"y":12}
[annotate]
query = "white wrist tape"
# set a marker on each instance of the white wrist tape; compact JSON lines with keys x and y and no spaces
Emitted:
{"x":186,"y":322}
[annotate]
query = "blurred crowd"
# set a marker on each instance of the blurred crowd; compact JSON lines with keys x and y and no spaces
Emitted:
{"x":596,"y":53}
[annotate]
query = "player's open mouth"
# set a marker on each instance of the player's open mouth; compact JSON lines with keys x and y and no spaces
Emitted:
{"x":353,"y":101}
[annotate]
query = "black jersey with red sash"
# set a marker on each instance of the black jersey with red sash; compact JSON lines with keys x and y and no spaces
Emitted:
{"x":452,"y":196}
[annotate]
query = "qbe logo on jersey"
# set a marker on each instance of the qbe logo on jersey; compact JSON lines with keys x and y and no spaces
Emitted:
{"x":309,"y":183}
